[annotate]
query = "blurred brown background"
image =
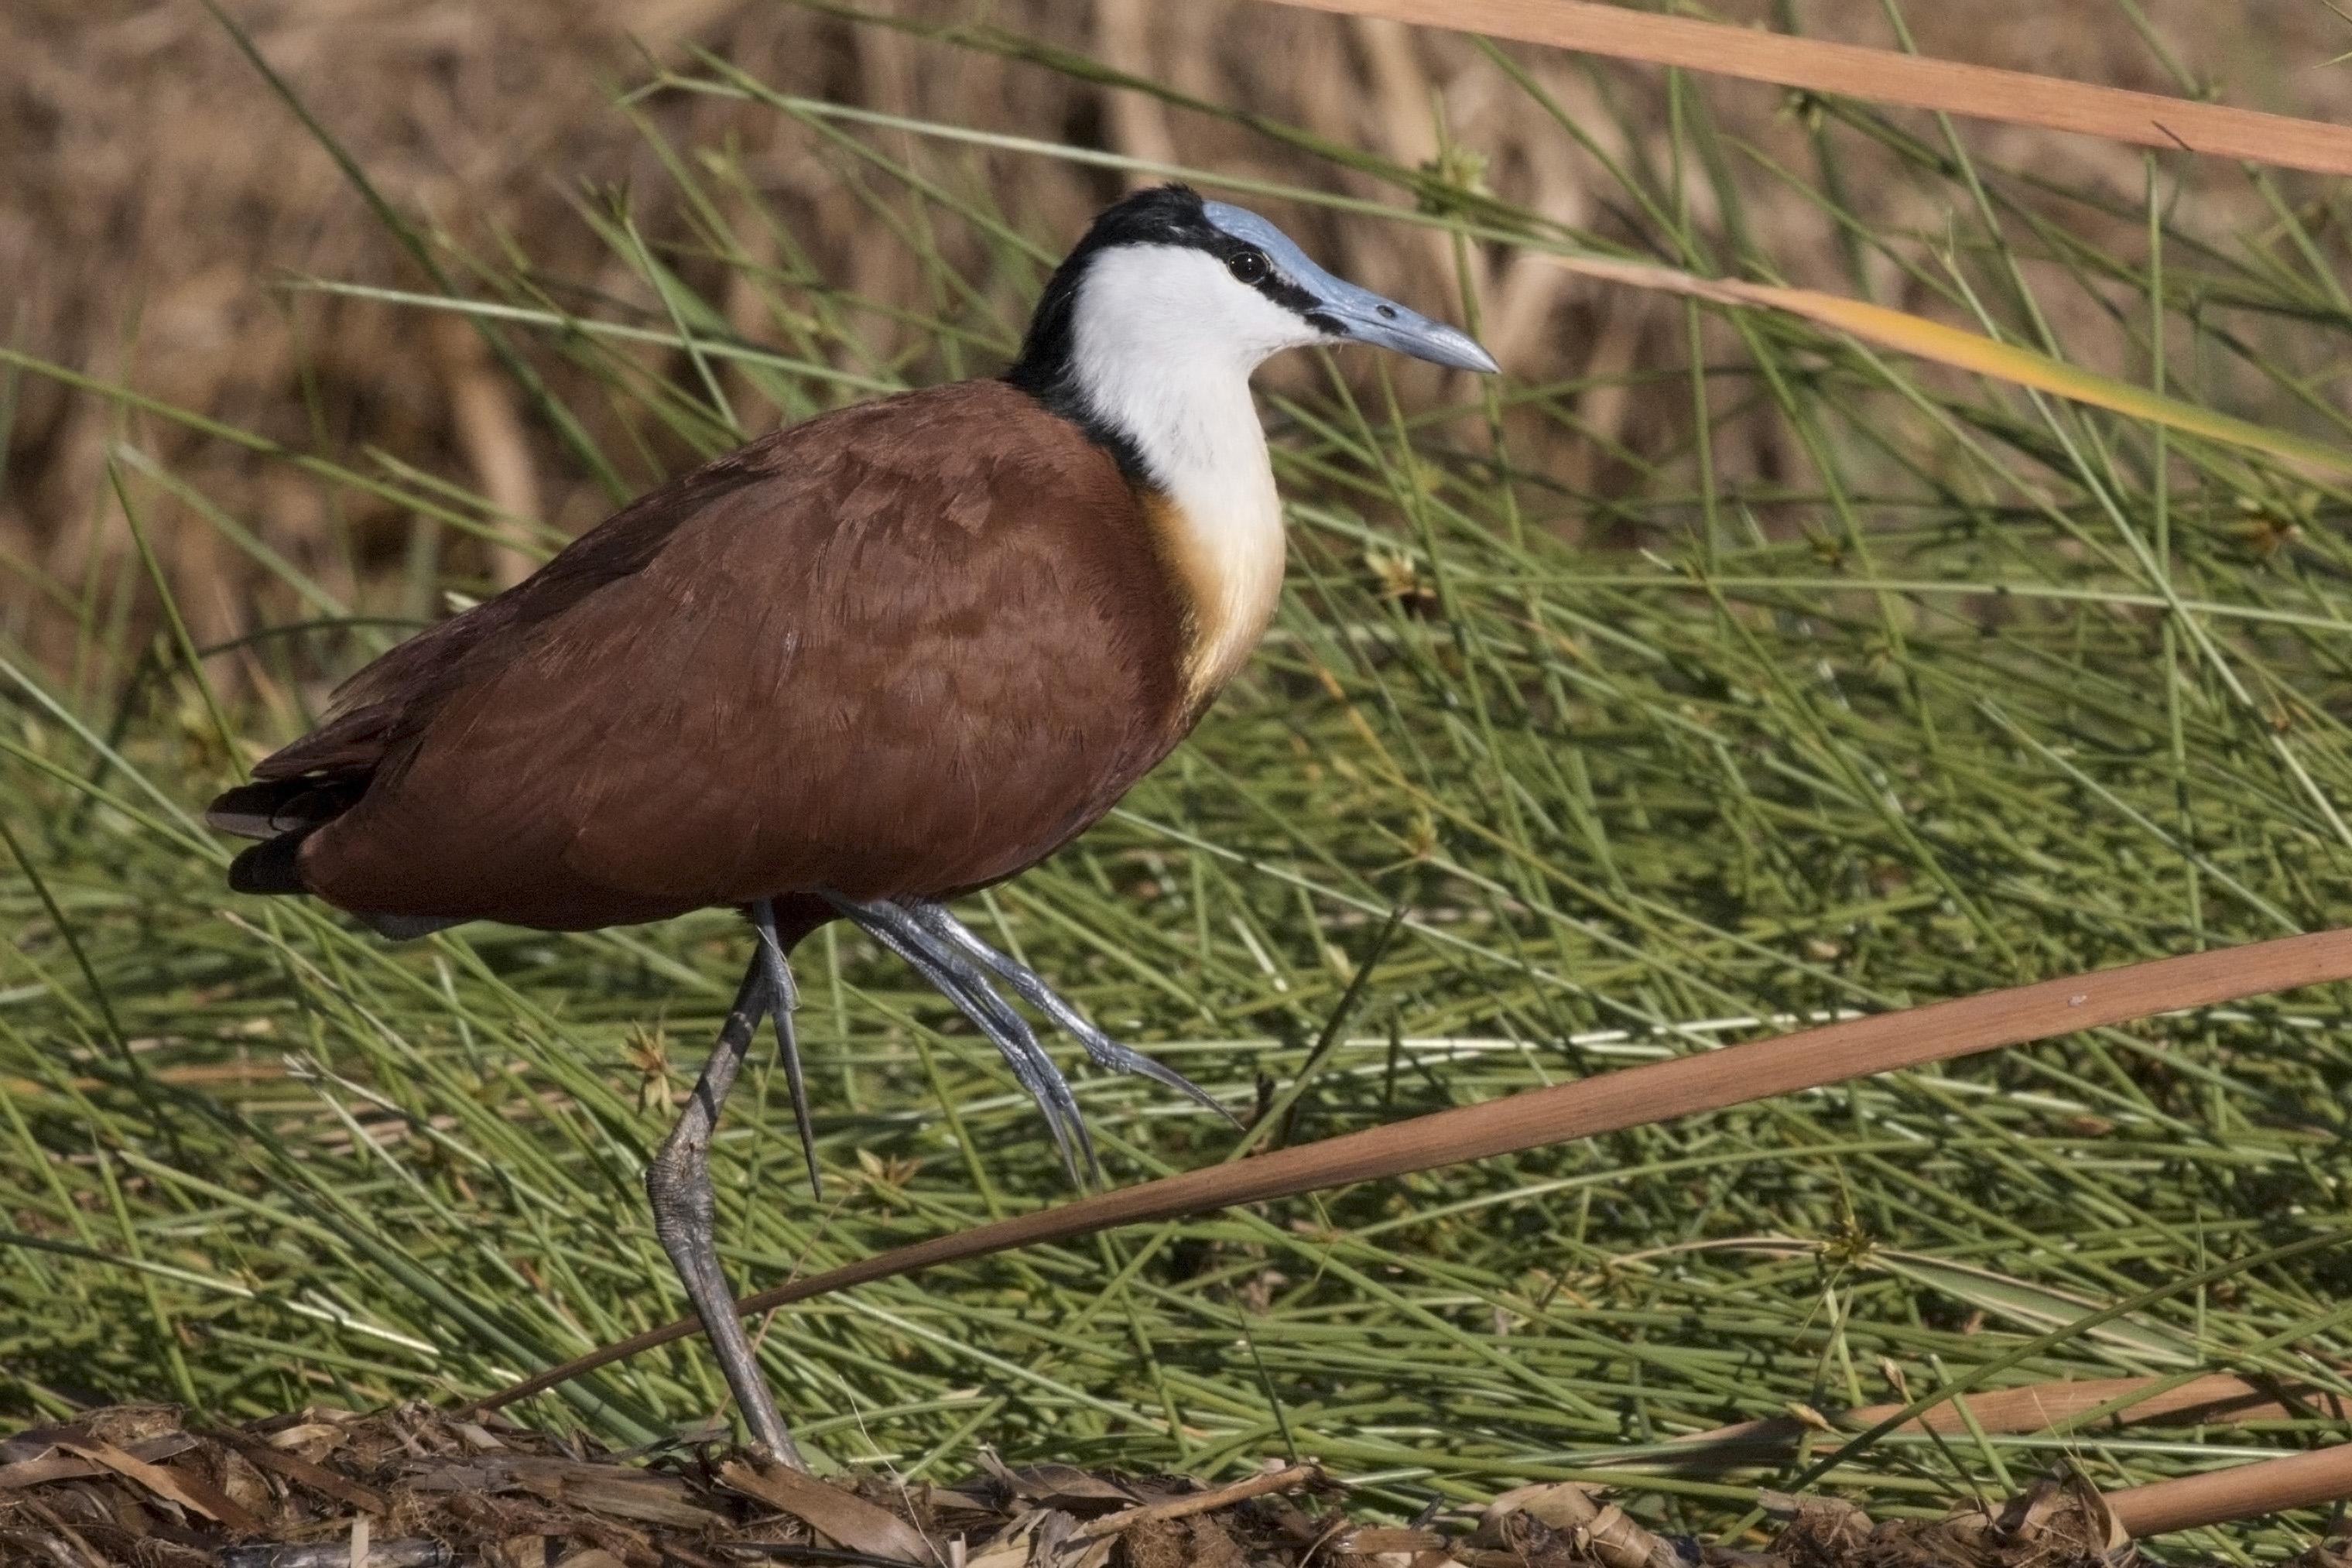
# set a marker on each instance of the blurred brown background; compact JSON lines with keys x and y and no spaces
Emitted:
{"x":152,"y":190}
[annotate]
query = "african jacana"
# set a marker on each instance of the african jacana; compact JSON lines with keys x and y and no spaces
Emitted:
{"x":860,"y":666}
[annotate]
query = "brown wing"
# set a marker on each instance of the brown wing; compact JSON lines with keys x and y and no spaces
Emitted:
{"x":386,"y":704}
{"x":903,"y":650}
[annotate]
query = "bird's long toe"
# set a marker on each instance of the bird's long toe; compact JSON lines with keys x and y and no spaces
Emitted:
{"x":1032,"y":988}
{"x":955,"y":977}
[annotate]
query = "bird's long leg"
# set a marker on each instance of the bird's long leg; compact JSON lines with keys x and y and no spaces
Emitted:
{"x":1030,"y":987}
{"x":963,"y":983}
{"x":678,"y":1183}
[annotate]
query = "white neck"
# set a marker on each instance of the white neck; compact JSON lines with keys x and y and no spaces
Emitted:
{"x":1163,"y":342}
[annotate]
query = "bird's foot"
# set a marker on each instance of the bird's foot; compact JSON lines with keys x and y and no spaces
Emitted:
{"x":962,"y":982}
{"x":959,"y":964}
{"x":1030,"y":987}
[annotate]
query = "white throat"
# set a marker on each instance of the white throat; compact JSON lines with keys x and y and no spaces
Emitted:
{"x":1163,"y":340}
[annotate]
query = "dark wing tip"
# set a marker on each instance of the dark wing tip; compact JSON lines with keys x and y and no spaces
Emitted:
{"x":270,"y":806}
{"x":248,"y":811}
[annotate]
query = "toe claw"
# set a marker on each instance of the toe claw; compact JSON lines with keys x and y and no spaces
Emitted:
{"x":1121,"y":1058}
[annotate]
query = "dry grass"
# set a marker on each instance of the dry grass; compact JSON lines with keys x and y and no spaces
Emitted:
{"x":156,"y":192}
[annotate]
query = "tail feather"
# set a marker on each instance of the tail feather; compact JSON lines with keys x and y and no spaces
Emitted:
{"x":282,"y":812}
{"x":272,"y":865}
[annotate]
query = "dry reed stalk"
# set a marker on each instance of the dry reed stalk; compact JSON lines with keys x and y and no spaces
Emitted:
{"x":1971,"y":352}
{"x":2216,"y":1398}
{"x":1290,"y":1478}
{"x":1884,"y":76}
{"x":1137,"y":123}
{"x":490,"y":431}
{"x":2241,"y":1491}
{"x":1634,"y":1096}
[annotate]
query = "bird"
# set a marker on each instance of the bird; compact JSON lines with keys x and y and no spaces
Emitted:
{"x":864,"y":666}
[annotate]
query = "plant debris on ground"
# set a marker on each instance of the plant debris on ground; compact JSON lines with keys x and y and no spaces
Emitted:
{"x":410,"y":1487}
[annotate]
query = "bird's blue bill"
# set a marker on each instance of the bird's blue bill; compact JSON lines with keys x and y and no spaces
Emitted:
{"x":1345,"y":311}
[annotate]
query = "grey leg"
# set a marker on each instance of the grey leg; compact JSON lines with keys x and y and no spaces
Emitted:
{"x":678,"y":1183}
{"x":1030,"y":987}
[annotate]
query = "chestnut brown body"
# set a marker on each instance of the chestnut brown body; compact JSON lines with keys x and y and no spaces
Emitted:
{"x":902,"y":650}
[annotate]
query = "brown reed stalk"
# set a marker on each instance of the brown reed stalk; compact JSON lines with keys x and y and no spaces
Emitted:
{"x":1884,"y":76}
{"x":2241,"y":1491}
{"x":1634,"y":1096}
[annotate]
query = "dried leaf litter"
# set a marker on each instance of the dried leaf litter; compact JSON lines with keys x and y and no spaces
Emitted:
{"x":409,"y":1488}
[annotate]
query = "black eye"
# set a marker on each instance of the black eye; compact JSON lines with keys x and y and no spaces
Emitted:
{"x":1249,"y":266}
